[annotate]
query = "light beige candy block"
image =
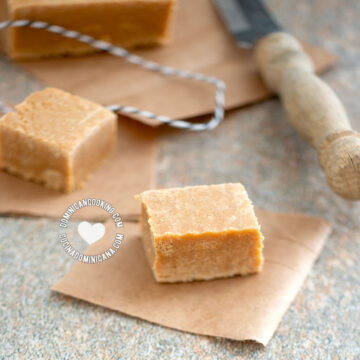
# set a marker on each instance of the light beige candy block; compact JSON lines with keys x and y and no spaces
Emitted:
{"x":56,"y":139}
{"x":200,"y":232}
{"x":127,"y":23}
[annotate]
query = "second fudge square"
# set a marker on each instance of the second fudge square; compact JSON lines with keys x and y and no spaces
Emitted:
{"x":56,"y":138}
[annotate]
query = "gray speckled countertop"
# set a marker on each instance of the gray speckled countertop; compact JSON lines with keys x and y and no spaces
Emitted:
{"x":255,"y":145}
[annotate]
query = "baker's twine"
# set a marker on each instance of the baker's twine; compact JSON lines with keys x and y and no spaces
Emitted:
{"x":137,"y":60}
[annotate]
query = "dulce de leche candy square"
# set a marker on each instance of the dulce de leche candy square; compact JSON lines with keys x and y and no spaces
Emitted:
{"x":56,"y":138}
{"x":127,"y":23}
{"x":200,"y":232}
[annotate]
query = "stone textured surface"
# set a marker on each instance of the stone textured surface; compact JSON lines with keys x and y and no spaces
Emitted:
{"x":254,"y":145}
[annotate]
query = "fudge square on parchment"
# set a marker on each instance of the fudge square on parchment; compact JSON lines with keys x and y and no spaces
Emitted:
{"x":127,"y":23}
{"x":56,"y":138}
{"x":200,"y":232}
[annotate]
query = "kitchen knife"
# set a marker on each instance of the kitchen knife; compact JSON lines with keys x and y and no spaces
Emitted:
{"x":311,"y":106}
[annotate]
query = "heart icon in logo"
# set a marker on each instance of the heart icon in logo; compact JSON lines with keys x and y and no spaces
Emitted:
{"x":91,"y":233}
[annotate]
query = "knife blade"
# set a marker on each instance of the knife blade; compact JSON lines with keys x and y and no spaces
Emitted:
{"x":311,"y":105}
{"x":246,"y":20}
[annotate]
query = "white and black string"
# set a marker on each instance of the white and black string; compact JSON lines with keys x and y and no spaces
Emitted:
{"x":137,"y":60}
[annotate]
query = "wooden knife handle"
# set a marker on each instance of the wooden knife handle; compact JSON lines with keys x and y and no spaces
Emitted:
{"x":313,"y":109}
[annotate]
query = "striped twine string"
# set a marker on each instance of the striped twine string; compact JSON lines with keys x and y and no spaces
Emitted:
{"x":137,"y":60}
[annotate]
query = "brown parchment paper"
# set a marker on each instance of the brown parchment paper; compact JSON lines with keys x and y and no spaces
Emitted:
{"x":240,"y":308}
{"x":201,"y":43}
{"x":128,"y":172}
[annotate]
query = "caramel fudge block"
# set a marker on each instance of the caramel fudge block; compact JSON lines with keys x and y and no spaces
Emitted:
{"x":200,"y":232}
{"x":127,"y":23}
{"x":56,"y":138}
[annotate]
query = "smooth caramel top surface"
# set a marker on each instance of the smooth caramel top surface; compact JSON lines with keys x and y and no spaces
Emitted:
{"x":57,"y":118}
{"x":199,"y":209}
